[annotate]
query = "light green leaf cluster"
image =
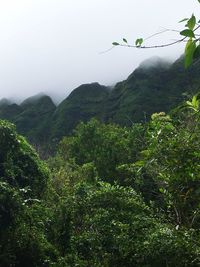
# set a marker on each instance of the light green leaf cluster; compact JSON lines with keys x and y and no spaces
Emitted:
{"x":193,"y":46}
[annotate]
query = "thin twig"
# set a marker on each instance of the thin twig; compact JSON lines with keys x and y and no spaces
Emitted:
{"x":154,"y":46}
{"x":157,"y":33}
{"x":158,"y":46}
{"x":103,"y":52}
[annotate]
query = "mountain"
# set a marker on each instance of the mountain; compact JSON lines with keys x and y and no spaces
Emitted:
{"x":35,"y":119}
{"x":9,"y":111}
{"x":5,"y":102}
{"x":155,"y":86}
{"x":151,"y":88}
{"x":82,"y":104}
{"x":32,"y":117}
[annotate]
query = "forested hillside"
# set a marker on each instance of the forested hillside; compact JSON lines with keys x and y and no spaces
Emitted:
{"x":111,"y":196}
{"x":122,"y":186}
{"x":121,"y":189}
{"x":154,"y":86}
{"x":32,"y":117}
{"x":82,"y":104}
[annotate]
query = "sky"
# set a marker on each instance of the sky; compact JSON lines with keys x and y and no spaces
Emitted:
{"x":53,"y":46}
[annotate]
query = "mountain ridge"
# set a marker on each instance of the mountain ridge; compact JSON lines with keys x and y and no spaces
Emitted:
{"x":150,"y":88}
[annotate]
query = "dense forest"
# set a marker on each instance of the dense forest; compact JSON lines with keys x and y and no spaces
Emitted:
{"x":110,"y":196}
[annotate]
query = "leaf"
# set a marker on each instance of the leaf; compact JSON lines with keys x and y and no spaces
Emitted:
{"x":188,"y":33}
{"x":194,"y":100}
{"x":189,"y":103}
{"x":189,"y":52}
{"x":161,"y":190}
{"x":125,"y":41}
{"x":115,"y":43}
{"x":145,"y":153}
{"x":139,"y":163}
{"x":139,"y":42}
{"x":197,"y":52}
{"x":191,"y":22}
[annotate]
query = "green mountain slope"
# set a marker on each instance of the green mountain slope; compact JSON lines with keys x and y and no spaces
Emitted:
{"x":82,"y":104}
{"x":35,"y":120}
{"x":154,"y":86}
{"x":32,"y":117}
{"x":5,"y":102}
{"x":9,"y":111}
{"x":151,"y":89}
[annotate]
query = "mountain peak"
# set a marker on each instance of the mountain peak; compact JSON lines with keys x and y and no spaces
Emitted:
{"x":5,"y":102}
{"x":36,"y":99}
{"x":155,"y":62}
{"x":89,"y":89}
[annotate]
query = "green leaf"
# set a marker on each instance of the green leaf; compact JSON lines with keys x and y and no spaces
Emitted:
{"x":188,"y":33}
{"x":139,"y":42}
{"x":161,"y":190}
{"x":139,"y":163}
{"x":197,"y":52}
{"x":189,"y":52}
{"x":125,"y":41}
{"x":115,"y":43}
{"x":191,"y":22}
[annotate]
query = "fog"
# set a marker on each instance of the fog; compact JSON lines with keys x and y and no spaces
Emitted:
{"x":53,"y":46}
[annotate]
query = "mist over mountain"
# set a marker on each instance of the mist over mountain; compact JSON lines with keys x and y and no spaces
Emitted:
{"x":155,"y":62}
{"x":156,"y":85}
{"x":5,"y":102}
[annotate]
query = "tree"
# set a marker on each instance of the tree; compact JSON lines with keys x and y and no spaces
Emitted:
{"x":105,"y":146}
{"x":23,"y":216}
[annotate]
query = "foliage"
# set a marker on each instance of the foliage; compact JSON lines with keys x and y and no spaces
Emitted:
{"x":102,"y":223}
{"x":99,"y":144}
{"x":111,"y":225}
{"x":171,"y":159}
{"x":23,"y":181}
{"x":192,"y":48}
{"x":145,"y":214}
{"x":19,"y":163}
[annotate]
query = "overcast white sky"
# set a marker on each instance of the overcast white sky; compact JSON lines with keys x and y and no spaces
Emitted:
{"x":54,"y":45}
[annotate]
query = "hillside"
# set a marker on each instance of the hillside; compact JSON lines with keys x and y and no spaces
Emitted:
{"x":149,"y":89}
{"x":32,"y":117}
{"x":82,"y":104}
{"x":154,"y":86}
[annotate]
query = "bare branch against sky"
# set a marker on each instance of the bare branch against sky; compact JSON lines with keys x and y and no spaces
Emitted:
{"x":54,"y":45}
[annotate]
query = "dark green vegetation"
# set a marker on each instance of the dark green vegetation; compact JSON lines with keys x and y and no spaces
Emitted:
{"x":32,"y":117}
{"x":153,"y":87}
{"x":111,"y":196}
{"x":82,"y":104}
{"x":23,"y":182}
